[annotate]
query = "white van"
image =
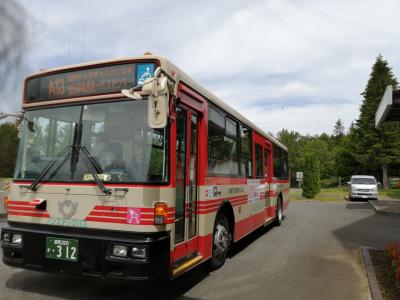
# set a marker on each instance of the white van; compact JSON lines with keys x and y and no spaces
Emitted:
{"x":363,"y":187}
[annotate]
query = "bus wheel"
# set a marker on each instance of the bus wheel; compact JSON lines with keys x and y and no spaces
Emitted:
{"x":221,"y":242}
{"x":279,"y":212}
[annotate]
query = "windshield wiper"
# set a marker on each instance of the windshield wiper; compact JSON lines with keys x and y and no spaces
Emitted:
{"x":94,"y":169}
{"x":91,"y":164}
{"x":48,"y":167}
{"x":73,"y":153}
{"x":76,"y":141}
{"x":95,"y":163}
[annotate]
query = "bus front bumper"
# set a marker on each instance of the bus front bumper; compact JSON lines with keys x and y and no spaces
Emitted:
{"x":95,"y":259}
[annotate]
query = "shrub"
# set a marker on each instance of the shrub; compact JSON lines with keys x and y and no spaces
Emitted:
{"x":311,"y":183}
{"x":393,"y":252}
{"x":332,"y":182}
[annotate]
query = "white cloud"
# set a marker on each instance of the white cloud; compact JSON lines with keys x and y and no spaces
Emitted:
{"x":249,"y":53}
{"x":312,"y":119}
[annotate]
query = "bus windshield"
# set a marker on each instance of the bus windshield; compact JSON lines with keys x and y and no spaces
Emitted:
{"x":115,"y":135}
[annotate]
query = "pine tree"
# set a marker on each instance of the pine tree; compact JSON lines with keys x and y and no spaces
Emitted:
{"x":311,"y":183}
{"x":376,"y":148}
{"x":338,"y":131}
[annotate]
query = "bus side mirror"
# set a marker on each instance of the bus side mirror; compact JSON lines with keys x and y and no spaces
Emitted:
{"x":158,"y":88}
{"x":158,"y":102}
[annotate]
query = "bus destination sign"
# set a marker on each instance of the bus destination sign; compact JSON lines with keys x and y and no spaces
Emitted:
{"x":80,"y":83}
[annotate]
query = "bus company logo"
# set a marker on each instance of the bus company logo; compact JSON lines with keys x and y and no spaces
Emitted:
{"x":67,"y":208}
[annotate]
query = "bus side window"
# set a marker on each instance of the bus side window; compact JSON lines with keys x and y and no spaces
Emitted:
{"x":285,"y":167}
{"x":277,"y":163}
{"x":259,"y":161}
{"x":266,"y":162}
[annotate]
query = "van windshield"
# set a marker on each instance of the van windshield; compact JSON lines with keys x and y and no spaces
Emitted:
{"x":361,"y":180}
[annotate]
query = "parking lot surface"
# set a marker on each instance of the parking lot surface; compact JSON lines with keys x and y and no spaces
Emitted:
{"x":313,"y":255}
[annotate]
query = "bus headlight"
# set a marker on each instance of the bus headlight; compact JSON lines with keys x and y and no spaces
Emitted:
{"x":139,"y":252}
{"x":16,"y":239}
{"x":120,"y":251}
{"x":6,"y":237}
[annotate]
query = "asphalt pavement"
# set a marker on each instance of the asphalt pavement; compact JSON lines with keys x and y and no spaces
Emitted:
{"x":313,"y":255}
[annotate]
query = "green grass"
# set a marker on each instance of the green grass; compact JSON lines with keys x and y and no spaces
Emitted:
{"x":338,"y":194}
{"x":395,"y":194}
{"x":326,"y":195}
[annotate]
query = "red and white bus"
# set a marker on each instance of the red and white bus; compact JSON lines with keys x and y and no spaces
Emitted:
{"x":130,"y":170}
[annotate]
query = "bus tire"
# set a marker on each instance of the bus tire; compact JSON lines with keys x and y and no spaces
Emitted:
{"x":279,"y":212}
{"x":220,"y":242}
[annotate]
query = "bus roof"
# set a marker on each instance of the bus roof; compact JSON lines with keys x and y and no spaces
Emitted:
{"x":182,"y":77}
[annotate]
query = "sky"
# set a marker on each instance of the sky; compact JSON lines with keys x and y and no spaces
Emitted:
{"x":299,"y":65}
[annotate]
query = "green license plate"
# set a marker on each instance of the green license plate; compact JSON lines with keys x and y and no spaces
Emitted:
{"x":64,"y":249}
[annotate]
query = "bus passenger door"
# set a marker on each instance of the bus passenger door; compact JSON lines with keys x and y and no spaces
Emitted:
{"x":186,"y":229}
{"x":267,"y":175}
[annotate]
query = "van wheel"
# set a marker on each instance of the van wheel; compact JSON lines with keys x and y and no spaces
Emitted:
{"x":221,"y":242}
{"x":279,"y":212}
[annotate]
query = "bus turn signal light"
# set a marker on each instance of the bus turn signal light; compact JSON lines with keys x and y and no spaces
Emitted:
{"x":5,"y":202}
{"x":160,"y":213}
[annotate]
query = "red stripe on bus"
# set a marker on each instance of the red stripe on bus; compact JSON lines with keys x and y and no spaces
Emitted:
{"x":110,"y":208}
{"x":208,"y":209}
{"x":108,"y":214}
{"x":204,"y":212}
{"x":240,"y":203}
{"x":24,"y":208}
{"x":221,"y":199}
{"x":125,"y":209}
{"x":216,"y":204}
{"x":18,"y":202}
{"x":28,"y":214}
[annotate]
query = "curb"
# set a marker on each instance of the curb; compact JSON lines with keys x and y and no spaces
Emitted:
{"x":374,"y":288}
{"x":380,"y":211}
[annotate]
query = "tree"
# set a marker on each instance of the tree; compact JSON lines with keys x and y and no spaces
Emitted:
{"x":14,"y":24}
{"x":292,"y":140}
{"x":311,"y":181}
{"x":338,"y":131}
{"x":375,"y":149}
{"x":8,"y":149}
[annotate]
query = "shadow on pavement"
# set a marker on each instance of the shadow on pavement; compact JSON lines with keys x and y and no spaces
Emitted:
{"x":71,"y":288}
{"x":246,"y":241}
{"x":358,"y":205}
{"x":376,"y":230}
